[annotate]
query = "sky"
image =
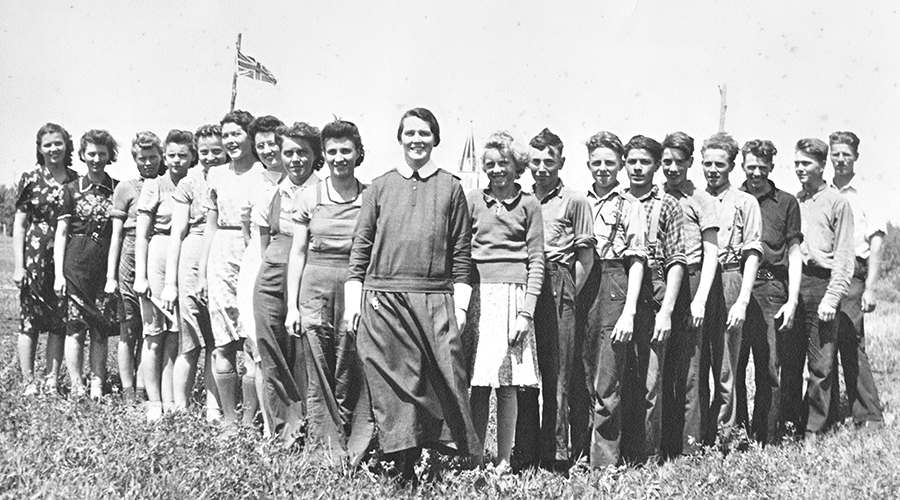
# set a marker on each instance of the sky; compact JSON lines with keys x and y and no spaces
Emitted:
{"x":792,"y":70}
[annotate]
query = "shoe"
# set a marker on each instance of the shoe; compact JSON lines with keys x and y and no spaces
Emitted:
{"x":31,"y":389}
{"x":78,"y":391}
{"x":51,"y":387}
{"x":96,"y":392}
{"x":154,"y":412}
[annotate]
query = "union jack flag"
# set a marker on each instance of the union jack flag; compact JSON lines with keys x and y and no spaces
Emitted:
{"x":251,"y":68}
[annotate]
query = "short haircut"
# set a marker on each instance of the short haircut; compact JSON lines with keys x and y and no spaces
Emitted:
{"x":648,"y":144}
{"x":210,"y":130}
{"x":184,"y":138}
{"x":425,"y":115}
{"x":50,"y":128}
{"x":760,"y":148}
{"x":239,"y":117}
{"x":99,"y":138}
{"x":680,"y":141}
{"x":342,"y":129}
{"x":845,"y":137}
{"x":723,"y":141}
{"x":262,"y":124}
{"x":547,"y":139}
{"x":302,"y":131}
{"x":814,"y":148}
{"x":605,"y":139}
{"x":503,"y":142}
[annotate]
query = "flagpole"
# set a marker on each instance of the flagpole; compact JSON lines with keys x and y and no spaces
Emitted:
{"x":723,"y":106}
{"x":234,"y":78}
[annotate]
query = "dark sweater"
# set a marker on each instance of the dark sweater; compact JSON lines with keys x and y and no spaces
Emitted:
{"x":412,"y":235}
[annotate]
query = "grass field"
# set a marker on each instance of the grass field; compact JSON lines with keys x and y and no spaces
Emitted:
{"x":53,"y":447}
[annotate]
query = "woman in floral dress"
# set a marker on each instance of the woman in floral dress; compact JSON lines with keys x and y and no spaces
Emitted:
{"x":38,"y":200}
{"x":80,"y":255}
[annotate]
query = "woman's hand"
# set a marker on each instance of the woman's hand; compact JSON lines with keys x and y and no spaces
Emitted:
{"x":351,"y":317}
{"x":169,"y":297}
{"x":460,"y":318}
{"x":110,"y":286}
{"x":292,"y":321}
{"x":59,"y":286}
{"x":142,"y":287}
{"x":523,"y":324}
{"x":19,"y":276}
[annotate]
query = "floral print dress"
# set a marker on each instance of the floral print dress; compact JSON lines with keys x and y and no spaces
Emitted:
{"x":40,"y":198}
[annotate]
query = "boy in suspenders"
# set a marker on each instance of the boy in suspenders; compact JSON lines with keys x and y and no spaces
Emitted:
{"x":739,"y":252}
{"x":608,"y":302}
{"x":661,"y":285}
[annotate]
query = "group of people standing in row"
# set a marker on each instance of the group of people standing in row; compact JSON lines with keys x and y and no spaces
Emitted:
{"x":613,"y":323}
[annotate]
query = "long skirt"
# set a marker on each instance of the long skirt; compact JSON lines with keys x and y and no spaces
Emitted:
{"x":281,"y":357}
{"x":195,"y":328}
{"x":412,"y":355}
{"x":492,"y":323}
{"x":89,"y":307}
{"x":340,"y":413}
{"x":222,"y":271}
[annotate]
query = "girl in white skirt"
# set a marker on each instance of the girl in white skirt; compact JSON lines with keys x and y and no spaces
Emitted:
{"x":508,"y":252}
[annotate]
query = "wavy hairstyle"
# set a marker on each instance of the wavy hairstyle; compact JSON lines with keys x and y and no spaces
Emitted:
{"x":342,"y":129}
{"x":814,"y":148}
{"x":260,"y":125}
{"x":302,"y":131}
{"x":50,"y":128}
{"x":680,"y":141}
{"x":503,"y":142}
{"x":723,"y":141}
{"x":651,"y":146}
{"x":605,"y":139}
{"x":763,"y":149}
{"x":845,"y":137}
{"x":184,"y":138}
{"x":547,"y":139}
{"x":99,"y":138}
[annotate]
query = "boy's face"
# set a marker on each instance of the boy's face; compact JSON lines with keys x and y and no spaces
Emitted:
{"x":641,"y":166}
{"x":604,"y":164}
{"x":545,"y":166}
{"x":807,"y":168}
{"x":843,"y":158}
{"x":716,"y":167}
{"x":675,"y":164}
{"x":757,"y":171}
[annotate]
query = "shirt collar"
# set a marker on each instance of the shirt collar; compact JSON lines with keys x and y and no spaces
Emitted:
{"x":804,"y":194}
{"x":652,"y":194}
{"x":553,"y":192}
{"x":850,"y":186}
{"x":425,"y":171}
{"x":721,"y":194}
{"x":770,"y":194}
{"x":489,"y":198}
{"x":286,"y":186}
{"x":686,"y":188}
{"x":616,"y":190}
{"x":87,"y":185}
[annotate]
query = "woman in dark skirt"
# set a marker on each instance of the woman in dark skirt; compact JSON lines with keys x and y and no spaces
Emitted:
{"x":147,"y":151}
{"x":338,"y":407}
{"x":81,"y":250}
{"x":281,"y":357}
{"x":38,"y":200}
{"x":408,"y":290}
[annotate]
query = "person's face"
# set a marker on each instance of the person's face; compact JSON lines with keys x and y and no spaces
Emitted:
{"x":53,"y":148}
{"x":675,"y":165}
{"x":499,"y":168}
{"x":843,"y":158}
{"x":641,"y":167}
{"x":298,"y":158}
{"x":716,"y":167}
{"x":235,"y":140}
{"x":341,"y":157}
{"x":268,"y":149}
{"x":178,"y":159}
{"x":96,"y":157}
{"x":148,"y":161}
{"x":807,"y":168}
{"x":604,"y":164}
{"x":211,"y":152}
{"x":757,"y":171}
{"x":417,"y":141}
{"x":545,"y":166}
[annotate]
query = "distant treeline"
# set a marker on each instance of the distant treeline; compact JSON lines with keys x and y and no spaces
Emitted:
{"x":7,"y":208}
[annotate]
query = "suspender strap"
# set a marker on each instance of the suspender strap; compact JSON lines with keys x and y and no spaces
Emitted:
{"x":612,"y":233}
{"x":654,"y":223}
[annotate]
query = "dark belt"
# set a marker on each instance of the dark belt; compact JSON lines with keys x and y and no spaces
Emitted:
{"x":731,"y":266}
{"x":770,"y":274}
{"x":816,"y":271}
{"x":694,"y":268}
{"x":611,"y":264}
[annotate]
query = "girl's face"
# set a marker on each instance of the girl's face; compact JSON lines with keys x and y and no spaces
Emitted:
{"x":417,"y":141}
{"x":178,"y":159}
{"x":211,"y":151}
{"x":267,"y":150}
{"x":148,"y":161}
{"x":500,"y":169}
{"x":96,"y":157}
{"x":298,"y":158}
{"x":236,"y":141}
{"x":341,"y":157}
{"x":53,"y":148}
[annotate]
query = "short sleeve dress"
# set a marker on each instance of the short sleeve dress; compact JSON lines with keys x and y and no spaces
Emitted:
{"x":124,"y":207}
{"x":156,"y":202}
{"x":86,"y":208}
{"x":39,"y":197}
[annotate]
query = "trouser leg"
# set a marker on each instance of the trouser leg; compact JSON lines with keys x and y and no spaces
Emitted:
{"x":821,"y":337}
{"x":862,"y":393}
